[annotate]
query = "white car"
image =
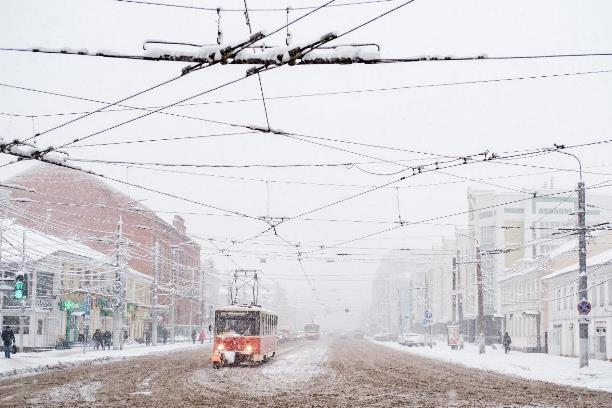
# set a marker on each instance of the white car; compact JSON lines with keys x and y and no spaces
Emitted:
{"x":411,"y":339}
{"x":384,"y":337}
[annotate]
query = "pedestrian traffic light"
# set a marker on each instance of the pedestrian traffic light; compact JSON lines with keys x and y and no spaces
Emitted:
{"x":18,"y":291}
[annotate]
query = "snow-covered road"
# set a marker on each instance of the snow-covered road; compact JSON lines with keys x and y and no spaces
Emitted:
{"x":532,"y":366}
{"x":24,"y":363}
{"x":324,"y":373}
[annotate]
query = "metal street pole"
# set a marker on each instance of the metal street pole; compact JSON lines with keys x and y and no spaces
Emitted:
{"x":583,"y":325}
{"x":118,"y":291}
{"x":202,"y":298}
{"x":173,"y":296}
{"x":23,"y":301}
{"x":427,"y":311}
{"x":459,"y":296}
{"x":480,"y":330}
{"x":155,"y":295}
{"x":454,"y":293}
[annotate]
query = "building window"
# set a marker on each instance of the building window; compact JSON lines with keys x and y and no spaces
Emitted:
{"x":13,"y":322}
{"x":487,"y":235}
{"x":39,"y":327}
{"x":564,"y":298}
{"x":558,"y":299}
{"x":602,"y":293}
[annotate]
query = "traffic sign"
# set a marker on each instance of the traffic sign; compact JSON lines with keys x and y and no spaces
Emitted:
{"x":584,"y":319}
{"x":584,"y":307}
{"x":428,"y":315}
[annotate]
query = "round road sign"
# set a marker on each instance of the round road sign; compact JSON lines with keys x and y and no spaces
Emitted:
{"x":584,"y":307}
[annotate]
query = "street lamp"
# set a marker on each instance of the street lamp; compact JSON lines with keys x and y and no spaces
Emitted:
{"x":583,"y":320}
{"x":481,"y":325}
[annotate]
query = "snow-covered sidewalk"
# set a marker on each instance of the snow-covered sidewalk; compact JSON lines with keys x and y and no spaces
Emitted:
{"x":23,"y":363}
{"x":533,"y":366}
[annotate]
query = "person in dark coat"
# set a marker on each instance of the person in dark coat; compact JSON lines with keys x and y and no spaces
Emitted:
{"x":98,"y":339}
{"x":107,"y":339}
{"x":8,"y":338}
{"x":147,"y":336}
{"x":165,"y":334}
{"x":193,"y":335}
{"x":506,"y":342}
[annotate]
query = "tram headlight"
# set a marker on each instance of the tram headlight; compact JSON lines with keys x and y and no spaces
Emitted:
{"x":220,"y":347}
{"x":248,"y":348}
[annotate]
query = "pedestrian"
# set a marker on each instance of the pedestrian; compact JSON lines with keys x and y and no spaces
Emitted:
{"x":165,"y":334}
{"x":8,"y":338}
{"x":98,"y":339}
{"x":147,"y":338}
{"x":506,"y":342}
{"x":107,"y":339}
{"x":202,"y":336}
{"x":193,"y":335}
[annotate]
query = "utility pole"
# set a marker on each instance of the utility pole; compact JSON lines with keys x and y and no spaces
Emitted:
{"x":155,"y":295}
{"x":173,"y":296}
{"x":411,"y":303}
{"x":23,"y":301}
{"x":399,"y":307}
{"x":454,"y":293}
{"x":583,"y":325}
{"x":480,"y":330}
{"x":202,"y":297}
{"x":459,"y":296}
{"x":427,"y":311}
{"x":119,"y":290}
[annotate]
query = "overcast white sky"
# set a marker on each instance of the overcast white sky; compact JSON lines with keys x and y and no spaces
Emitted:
{"x":448,"y":120}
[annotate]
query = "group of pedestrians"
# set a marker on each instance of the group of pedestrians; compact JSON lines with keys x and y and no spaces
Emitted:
{"x":200,"y":337}
{"x":102,"y":339}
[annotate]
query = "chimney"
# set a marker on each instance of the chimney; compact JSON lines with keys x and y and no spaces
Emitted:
{"x":179,"y":223}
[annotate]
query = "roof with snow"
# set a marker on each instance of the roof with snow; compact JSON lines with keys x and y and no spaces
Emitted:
{"x":599,"y":259}
{"x":39,"y":245}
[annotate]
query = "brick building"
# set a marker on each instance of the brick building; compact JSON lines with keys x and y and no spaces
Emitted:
{"x":75,"y":205}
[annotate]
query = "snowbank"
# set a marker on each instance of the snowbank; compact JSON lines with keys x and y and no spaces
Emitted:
{"x":26,"y":363}
{"x":532,"y":366}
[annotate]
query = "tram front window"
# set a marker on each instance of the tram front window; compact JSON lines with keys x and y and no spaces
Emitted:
{"x":237,"y":324}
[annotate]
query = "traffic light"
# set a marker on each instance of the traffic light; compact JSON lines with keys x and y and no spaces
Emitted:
{"x":18,"y":291}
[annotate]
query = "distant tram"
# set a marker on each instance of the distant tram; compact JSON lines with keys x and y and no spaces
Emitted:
{"x":244,"y":334}
{"x":311,"y":331}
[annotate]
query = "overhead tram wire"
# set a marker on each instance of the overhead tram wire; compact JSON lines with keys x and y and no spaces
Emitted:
{"x":236,"y":10}
{"x":305,"y":95}
{"x":411,"y":223}
{"x":195,"y":67}
{"x":308,"y":183}
{"x":371,"y":61}
{"x":204,"y":92}
{"x":263,"y":98}
{"x":40,"y":156}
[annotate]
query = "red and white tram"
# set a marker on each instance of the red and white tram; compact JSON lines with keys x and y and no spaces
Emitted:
{"x":244,"y":334}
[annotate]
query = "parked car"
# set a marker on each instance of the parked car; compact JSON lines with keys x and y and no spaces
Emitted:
{"x":411,"y":339}
{"x":384,"y":337}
